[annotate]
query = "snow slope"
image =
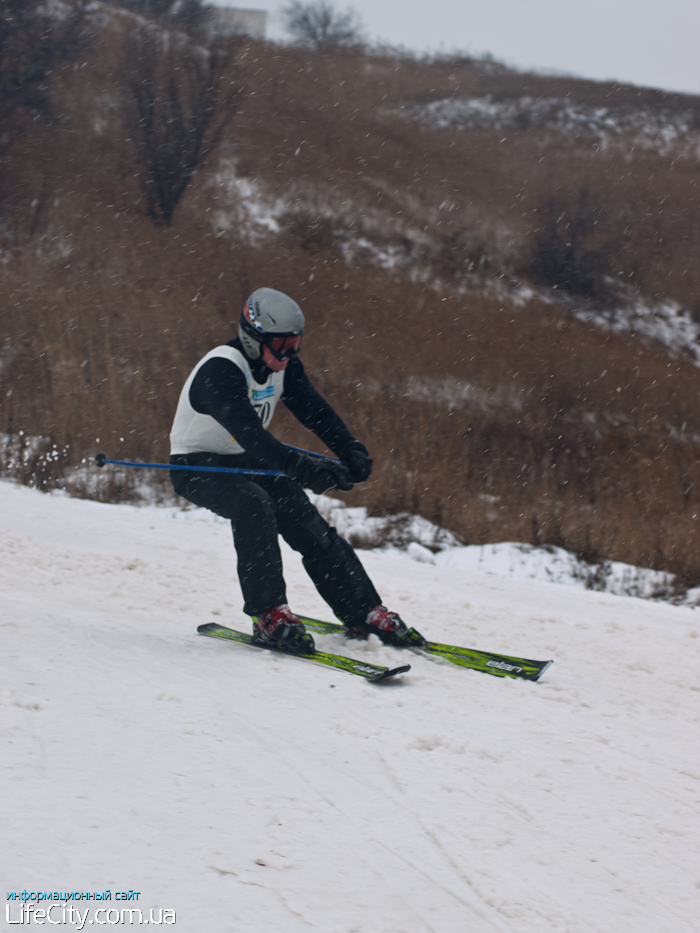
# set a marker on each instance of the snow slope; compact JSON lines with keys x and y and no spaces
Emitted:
{"x":253,"y":792}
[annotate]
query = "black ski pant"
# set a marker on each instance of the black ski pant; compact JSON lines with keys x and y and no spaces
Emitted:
{"x":261,"y":507}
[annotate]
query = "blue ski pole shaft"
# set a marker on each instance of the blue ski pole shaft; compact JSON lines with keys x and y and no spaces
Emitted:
{"x":100,"y":460}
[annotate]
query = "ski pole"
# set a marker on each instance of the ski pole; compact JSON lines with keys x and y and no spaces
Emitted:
{"x":310,"y":453}
{"x":100,"y":460}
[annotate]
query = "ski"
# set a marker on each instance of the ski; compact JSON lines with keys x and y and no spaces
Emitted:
{"x":500,"y":665}
{"x":371,"y":672}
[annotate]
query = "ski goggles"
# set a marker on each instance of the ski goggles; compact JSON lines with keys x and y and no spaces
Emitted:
{"x":283,"y":348}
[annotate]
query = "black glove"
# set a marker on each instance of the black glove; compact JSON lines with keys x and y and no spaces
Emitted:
{"x":317,"y":475}
{"x":355,"y":459}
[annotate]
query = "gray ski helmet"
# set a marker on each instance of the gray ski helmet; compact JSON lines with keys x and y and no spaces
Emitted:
{"x":268,"y":312}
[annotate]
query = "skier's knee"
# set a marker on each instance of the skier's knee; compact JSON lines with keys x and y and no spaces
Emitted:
{"x":316,"y":534}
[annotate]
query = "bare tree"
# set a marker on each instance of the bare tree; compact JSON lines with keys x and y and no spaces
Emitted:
{"x":177,"y":100}
{"x":321,"y":26}
{"x":565,"y":253}
{"x":34,"y":40}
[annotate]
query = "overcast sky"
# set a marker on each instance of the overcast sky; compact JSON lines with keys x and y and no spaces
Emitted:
{"x":647,"y":42}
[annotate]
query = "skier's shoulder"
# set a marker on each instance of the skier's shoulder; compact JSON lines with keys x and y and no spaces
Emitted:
{"x":224,"y":358}
{"x":222,"y":368}
{"x":230,"y":352}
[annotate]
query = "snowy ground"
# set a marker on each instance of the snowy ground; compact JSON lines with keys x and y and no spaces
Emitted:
{"x":254,"y":793}
{"x":430,"y":544}
{"x":642,"y":127}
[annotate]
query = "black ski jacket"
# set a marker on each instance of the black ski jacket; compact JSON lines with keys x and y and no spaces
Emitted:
{"x":219,"y":389}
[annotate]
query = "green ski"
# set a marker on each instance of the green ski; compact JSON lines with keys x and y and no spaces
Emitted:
{"x":500,"y":665}
{"x":372,"y":672}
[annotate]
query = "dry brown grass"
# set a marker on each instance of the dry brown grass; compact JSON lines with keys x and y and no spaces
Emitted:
{"x":498,"y":420}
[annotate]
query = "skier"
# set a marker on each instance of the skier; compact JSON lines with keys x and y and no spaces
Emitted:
{"x":225,"y":407}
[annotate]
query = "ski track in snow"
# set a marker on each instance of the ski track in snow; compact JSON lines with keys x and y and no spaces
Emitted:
{"x":242,"y":790}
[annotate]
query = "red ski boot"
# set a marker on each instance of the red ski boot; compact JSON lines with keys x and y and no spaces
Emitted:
{"x":389,"y":626}
{"x":279,"y":628}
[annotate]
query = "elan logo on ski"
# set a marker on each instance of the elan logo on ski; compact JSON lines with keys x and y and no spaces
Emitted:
{"x":502,"y":666}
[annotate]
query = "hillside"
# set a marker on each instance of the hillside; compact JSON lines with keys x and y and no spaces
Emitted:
{"x":499,"y":273}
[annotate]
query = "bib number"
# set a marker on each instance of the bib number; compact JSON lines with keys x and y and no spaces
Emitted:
{"x":263,"y":411}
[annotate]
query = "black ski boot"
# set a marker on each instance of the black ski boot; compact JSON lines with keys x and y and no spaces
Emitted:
{"x":389,"y":626}
{"x":279,"y":628}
